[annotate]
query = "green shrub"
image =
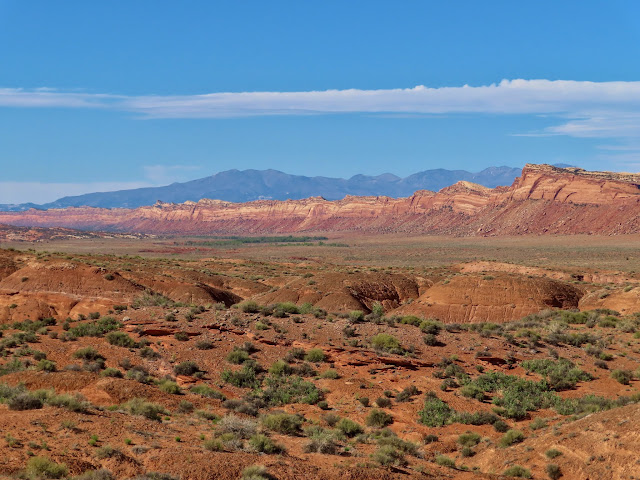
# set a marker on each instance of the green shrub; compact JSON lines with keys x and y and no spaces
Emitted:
{"x":204,"y":344}
{"x":517,"y":471}
{"x":207,"y":391}
{"x":95,"y":329}
{"x":383,"y":402}
{"x":315,"y":355}
{"x":293,"y":389}
{"x":24,"y":401}
{"x":263,"y":444}
{"x":249,"y":306}
{"x":111,"y":372}
{"x":511,"y":437}
{"x":46,"y":366}
{"x":469,"y":439}
{"x":120,"y":339}
{"x":320,"y":441}
{"x":181,"y":336}
{"x":237,"y":356}
{"x":280,"y":368}
{"x":139,"y":406}
{"x":622,"y":376}
{"x":44,"y":468}
{"x":388,"y":455}
{"x":430,"y":326}
{"x":168,"y":386}
{"x":378,"y":419}
{"x":349,"y":427}
{"x":356,"y":316}
{"x":255,"y":472}
{"x":387,"y":343}
{"x":445,"y":461}
{"x":88,"y":354}
{"x":186,"y":368}
{"x":436,"y":413}
{"x":283,"y":423}
{"x":560,"y":375}
{"x":330,"y":374}
{"x":552,"y":453}
{"x":553,"y":471}
{"x":244,"y":378}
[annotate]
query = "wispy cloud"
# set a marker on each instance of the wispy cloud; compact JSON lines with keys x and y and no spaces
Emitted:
{"x":585,"y":109}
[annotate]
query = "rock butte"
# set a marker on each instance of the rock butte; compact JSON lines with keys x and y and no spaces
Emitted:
{"x":543,"y":200}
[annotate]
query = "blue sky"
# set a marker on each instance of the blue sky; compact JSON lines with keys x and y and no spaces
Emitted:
{"x":107,"y":95}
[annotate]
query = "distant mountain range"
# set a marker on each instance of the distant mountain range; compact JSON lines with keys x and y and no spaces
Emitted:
{"x":248,"y":185}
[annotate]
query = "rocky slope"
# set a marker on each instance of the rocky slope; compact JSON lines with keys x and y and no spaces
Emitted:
{"x":543,"y":200}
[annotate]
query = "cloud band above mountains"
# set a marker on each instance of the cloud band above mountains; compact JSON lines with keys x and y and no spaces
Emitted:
{"x":588,"y":109}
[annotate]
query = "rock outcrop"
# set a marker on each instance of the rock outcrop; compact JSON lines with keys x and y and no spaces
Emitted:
{"x":543,"y":200}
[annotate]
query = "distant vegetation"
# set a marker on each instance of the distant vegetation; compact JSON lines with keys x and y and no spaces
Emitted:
{"x":276,"y":240}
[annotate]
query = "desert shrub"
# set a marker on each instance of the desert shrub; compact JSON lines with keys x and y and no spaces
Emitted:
{"x":181,"y":336}
{"x":100,"y":474}
{"x":237,"y":356}
{"x":407,"y":393}
{"x":472,"y":391}
{"x":95,"y":329}
{"x":383,"y":402}
{"x":244,"y":378}
{"x":185,"y":407}
{"x":139,"y":374}
{"x":139,"y":406}
{"x":430,"y":438}
{"x":72,"y":402}
{"x":388,"y":455}
{"x":436,"y":413}
{"x":431,"y":326}
{"x":168,"y":386}
{"x":107,"y":451}
{"x":204,"y":344}
{"x":207,"y":391}
{"x":294,"y":354}
{"x":378,"y":419}
{"x":356,"y":316}
{"x":553,"y":471}
{"x":46,"y":366}
{"x":552,"y":453}
{"x":349,"y":427}
{"x":364,"y":401}
{"x":280,"y":368}
{"x":149,"y":353}
{"x":469,"y":439}
{"x":315,"y":355}
{"x":283,"y":423}
{"x":24,"y":401}
{"x":241,"y":427}
{"x":445,"y":461}
{"x":111,"y":372}
{"x":263,"y":444}
{"x":186,"y":368}
{"x":622,"y":376}
{"x":560,"y":375}
{"x":430,"y":340}
{"x":511,"y":437}
{"x":387,"y":343}
{"x":44,"y":468}
{"x":249,"y":306}
{"x":255,"y":472}
{"x":88,"y":354}
{"x":330,"y":374}
{"x":120,"y":339}
{"x":293,"y":389}
{"x":517,"y":471}
{"x":476,"y":418}
{"x":321,"y":441}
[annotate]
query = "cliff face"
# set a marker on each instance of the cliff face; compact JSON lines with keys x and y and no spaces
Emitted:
{"x":543,"y":200}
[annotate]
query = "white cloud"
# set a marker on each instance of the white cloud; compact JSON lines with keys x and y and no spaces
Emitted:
{"x":41,"y":192}
{"x":587,"y":109}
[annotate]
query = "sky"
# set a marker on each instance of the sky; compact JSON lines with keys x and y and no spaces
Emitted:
{"x":98,"y":96}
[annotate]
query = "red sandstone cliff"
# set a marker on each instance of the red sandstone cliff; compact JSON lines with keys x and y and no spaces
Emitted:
{"x":543,"y":200}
